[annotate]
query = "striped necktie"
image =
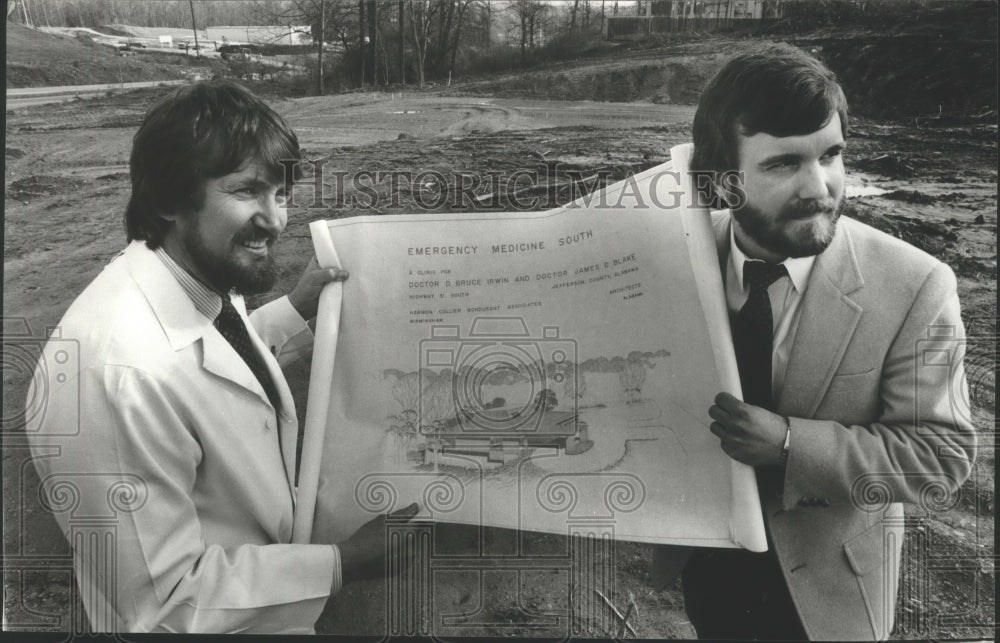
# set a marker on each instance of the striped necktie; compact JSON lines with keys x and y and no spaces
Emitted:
{"x":231,"y":326}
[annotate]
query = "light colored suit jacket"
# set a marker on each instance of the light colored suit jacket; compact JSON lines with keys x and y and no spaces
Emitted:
{"x":879,"y":416}
{"x":166,"y":466}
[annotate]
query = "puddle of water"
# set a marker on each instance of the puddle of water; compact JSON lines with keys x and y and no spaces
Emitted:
{"x":859,"y":185}
{"x":852,"y":191}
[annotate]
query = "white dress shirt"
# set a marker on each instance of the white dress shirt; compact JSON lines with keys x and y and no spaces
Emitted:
{"x":786,"y":303}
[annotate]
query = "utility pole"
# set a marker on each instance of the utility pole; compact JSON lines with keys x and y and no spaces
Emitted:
{"x":319,"y":64}
{"x":373,"y":41}
{"x":362,"y":53}
{"x":489,"y":23}
{"x":402,"y":46}
{"x":24,"y":12}
{"x":194,"y":28}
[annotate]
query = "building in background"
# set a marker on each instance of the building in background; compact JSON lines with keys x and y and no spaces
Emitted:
{"x":675,"y":16}
{"x":266,"y":35}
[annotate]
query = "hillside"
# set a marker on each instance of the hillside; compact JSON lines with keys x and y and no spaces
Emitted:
{"x":38,"y":59}
{"x":940,"y":59}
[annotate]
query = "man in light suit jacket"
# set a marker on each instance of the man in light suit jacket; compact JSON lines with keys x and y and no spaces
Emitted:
{"x":167,"y":449}
{"x":850,"y":348}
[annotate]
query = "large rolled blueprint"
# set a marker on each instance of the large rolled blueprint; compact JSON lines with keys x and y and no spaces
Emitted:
{"x":528,"y":370}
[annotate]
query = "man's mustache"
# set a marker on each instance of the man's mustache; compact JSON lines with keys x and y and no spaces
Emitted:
{"x":251,"y":232}
{"x":805,"y":209}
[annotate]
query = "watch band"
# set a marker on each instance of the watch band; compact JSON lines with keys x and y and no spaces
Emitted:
{"x":783,"y":458}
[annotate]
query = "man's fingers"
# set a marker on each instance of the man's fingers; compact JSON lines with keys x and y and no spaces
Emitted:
{"x":333,"y":274}
{"x":406,"y":513}
{"x":728,"y":402}
{"x":719,"y":414}
{"x":717,"y":429}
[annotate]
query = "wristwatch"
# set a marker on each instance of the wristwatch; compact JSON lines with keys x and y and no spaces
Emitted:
{"x":783,"y":458}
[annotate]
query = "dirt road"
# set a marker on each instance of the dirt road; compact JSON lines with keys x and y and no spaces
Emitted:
{"x":66,"y":187}
{"x":360,"y":119}
{"x":32,"y":96}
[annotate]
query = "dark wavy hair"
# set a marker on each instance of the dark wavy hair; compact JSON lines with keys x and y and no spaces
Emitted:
{"x":776,"y":89}
{"x":200,"y":132}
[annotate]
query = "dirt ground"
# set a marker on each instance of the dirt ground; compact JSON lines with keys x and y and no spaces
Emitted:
{"x":67,"y":182}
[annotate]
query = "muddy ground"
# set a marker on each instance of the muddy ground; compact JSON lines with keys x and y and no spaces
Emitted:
{"x":932,"y":183}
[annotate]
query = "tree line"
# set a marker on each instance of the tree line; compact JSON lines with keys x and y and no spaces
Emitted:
{"x":372,"y":42}
{"x":139,"y":13}
{"x":384,"y":42}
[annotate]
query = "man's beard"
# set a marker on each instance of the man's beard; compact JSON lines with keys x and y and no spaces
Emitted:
{"x":778,"y":236}
{"x":226,"y":272}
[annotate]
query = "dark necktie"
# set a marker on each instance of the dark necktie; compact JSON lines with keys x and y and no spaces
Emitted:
{"x":753,"y":332}
{"x":231,"y":326}
{"x":753,"y":337}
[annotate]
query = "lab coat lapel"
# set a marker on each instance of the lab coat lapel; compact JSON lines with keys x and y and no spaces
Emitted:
{"x":288,"y":424}
{"x":221,"y":359}
{"x":181,"y":321}
{"x":183,"y":325}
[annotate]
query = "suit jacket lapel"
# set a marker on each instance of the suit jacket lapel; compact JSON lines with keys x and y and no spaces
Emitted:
{"x":829,"y":318}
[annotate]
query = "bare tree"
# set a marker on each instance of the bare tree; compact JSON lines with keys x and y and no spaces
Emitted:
{"x":402,"y":43}
{"x":421,"y":14}
{"x":487,"y":12}
{"x":328,"y":20}
{"x":572,"y":15}
{"x":462,"y":6}
{"x":528,"y":14}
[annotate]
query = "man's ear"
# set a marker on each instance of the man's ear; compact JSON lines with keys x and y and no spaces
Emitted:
{"x":167,"y":224}
{"x":725,"y":197}
{"x":169,"y":217}
{"x":729,"y":190}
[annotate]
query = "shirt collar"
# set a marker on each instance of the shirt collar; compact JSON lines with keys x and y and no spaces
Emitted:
{"x":206,"y":301}
{"x":798,"y":268}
